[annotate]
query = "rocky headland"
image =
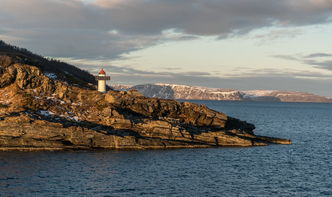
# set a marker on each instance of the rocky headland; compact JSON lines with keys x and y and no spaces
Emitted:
{"x":45,"y":108}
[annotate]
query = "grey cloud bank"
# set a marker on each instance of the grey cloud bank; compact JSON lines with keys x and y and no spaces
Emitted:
{"x":108,"y":28}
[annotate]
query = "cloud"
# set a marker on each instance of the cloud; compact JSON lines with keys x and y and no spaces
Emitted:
{"x":109,"y":28}
{"x":212,"y":17}
{"x":327,"y":64}
{"x":277,"y":34}
{"x":125,"y":70}
{"x":272,"y":72}
{"x":318,"y":60}
{"x":169,"y":68}
{"x":315,"y":55}
{"x":286,"y":57}
{"x":112,"y":3}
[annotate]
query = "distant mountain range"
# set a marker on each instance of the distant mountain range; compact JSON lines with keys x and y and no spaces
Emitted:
{"x":175,"y":91}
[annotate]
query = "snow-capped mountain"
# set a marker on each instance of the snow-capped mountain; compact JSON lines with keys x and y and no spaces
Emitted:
{"x":175,"y":91}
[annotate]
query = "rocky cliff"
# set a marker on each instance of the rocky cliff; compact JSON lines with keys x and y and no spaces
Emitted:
{"x":39,"y":112}
{"x":175,"y":91}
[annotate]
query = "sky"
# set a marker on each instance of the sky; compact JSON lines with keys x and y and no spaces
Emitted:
{"x":239,"y":44}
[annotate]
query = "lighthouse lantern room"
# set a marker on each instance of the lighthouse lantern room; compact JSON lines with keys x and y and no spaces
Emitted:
{"x":102,"y":78}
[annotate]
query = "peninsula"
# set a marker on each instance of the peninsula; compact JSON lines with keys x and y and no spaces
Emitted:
{"x":50,"y":105}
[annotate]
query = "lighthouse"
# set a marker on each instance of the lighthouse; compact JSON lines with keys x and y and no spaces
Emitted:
{"x":102,"y":80}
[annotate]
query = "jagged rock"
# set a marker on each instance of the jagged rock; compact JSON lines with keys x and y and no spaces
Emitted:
{"x":40,"y":113}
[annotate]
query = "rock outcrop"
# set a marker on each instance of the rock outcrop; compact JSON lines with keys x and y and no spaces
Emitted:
{"x":41,"y":113}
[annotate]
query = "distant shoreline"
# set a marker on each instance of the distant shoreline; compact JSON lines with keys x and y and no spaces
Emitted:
{"x":184,"y":100}
{"x":186,"y":92}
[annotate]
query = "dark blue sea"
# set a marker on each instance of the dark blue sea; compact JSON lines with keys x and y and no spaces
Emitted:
{"x":301,"y":169}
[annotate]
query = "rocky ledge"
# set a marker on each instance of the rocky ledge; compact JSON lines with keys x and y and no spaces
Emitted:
{"x":38,"y":112}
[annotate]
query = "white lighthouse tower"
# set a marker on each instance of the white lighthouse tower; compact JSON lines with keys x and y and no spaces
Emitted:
{"x":102,"y":80}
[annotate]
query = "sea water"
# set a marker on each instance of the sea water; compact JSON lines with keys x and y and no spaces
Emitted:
{"x":301,"y":169}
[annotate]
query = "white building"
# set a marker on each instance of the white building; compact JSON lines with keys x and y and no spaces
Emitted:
{"x":102,"y":80}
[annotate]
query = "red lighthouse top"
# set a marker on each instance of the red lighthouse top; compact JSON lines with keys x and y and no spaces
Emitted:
{"x":102,"y":72}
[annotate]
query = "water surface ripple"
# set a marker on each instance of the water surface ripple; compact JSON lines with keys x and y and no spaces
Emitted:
{"x":300,"y":169}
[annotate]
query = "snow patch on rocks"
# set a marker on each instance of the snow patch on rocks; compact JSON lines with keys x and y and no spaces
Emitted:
{"x":45,"y":113}
{"x":51,"y":75}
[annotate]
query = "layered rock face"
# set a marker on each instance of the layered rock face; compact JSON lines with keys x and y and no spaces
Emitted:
{"x":41,"y":113}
